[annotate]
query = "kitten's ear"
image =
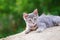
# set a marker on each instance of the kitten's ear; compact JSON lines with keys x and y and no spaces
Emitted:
{"x":25,"y":15}
{"x":35,"y":12}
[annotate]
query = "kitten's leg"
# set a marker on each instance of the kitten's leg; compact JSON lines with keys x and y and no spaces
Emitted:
{"x":27,"y":30}
{"x":41,"y":27}
{"x":56,"y":20}
{"x":58,"y":24}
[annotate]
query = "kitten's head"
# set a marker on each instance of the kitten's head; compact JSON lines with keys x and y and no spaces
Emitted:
{"x":31,"y":17}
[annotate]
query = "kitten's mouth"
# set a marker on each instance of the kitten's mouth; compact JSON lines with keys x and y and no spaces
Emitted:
{"x":33,"y":27}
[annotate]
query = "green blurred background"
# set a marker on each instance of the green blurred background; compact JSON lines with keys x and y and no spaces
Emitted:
{"x":11,"y":12}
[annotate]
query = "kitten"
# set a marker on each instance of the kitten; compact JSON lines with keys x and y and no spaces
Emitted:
{"x":30,"y":20}
{"x":33,"y":21}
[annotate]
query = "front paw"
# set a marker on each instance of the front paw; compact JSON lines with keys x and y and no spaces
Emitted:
{"x":38,"y":31}
{"x":26,"y":32}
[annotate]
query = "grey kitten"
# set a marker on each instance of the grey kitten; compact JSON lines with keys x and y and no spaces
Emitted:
{"x":40,"y":22}
{"x":30,"y":20}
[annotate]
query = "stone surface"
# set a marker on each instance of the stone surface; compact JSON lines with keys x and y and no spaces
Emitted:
{"x":52,"y":33}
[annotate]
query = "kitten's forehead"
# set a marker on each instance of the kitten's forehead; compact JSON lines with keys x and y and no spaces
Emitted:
{"x":31,"y":15}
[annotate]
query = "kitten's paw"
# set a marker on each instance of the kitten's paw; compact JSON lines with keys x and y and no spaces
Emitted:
{"x":38,"y":31}
{"x":26,"y":32}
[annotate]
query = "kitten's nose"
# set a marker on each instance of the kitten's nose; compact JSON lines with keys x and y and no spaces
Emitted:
{"x":33,"y":23}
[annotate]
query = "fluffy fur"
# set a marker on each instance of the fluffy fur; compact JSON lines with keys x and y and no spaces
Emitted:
{"x":33,"y":21}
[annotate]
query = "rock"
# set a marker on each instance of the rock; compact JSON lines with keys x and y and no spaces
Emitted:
{"x":52,"y":33}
